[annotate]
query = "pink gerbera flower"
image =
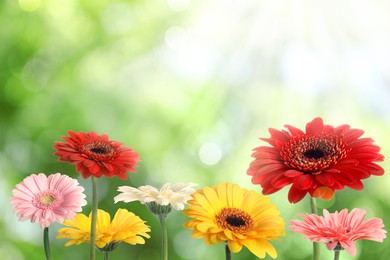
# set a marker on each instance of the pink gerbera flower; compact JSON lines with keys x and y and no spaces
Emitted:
{"x":340,"y":230}
{"x":318,"y":161}
{"x":96,"y":155}
{"x":47,"y":199}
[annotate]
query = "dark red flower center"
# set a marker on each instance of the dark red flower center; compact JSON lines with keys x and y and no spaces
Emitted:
{"x":312,"y":154}
{"x":99,"y":149}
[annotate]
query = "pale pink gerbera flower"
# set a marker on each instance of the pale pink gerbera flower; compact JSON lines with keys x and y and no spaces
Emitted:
{"x":340,"y":230}
{"x":47,"y":199}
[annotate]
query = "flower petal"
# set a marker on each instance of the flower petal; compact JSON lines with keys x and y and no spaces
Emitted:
{"x":303,"y":182}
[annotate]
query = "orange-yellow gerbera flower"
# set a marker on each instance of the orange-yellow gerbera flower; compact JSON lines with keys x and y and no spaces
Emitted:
{"x":125,"y":227}
{"x":240,"y":217}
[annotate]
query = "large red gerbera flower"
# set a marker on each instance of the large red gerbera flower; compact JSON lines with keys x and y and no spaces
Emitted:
{"x":325,"y":158}
{"x":96,"y":155}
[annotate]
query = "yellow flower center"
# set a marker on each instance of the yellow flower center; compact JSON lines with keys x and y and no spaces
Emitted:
{"x":47,"y":198}
{"x":234,"y":219}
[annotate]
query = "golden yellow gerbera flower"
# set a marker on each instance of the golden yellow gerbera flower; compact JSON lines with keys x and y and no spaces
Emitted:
{"x":240,"y":217}
{"x":125,"y":227}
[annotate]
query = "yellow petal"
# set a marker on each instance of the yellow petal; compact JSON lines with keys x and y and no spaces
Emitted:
{"x":214,"y":239}
{"x":222,"y":194}
{"x":235,"y":195}
{"x":205,"y":204}
{"x":252,"y":200}
{"x":135,"y":240}
{"x":103,"y":220}
{"x":80,"y":221}
{"x":203,"y":227}
{"x":260,"y":247}
{"x":234,"y":246}
{"x":213,"y":199}
{"x":228,"y":234}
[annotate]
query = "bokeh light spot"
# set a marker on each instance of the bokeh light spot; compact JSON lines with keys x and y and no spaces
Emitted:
{"x":210,"y":153}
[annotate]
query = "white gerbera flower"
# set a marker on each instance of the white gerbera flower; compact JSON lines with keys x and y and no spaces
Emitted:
{"x":174,"y":194}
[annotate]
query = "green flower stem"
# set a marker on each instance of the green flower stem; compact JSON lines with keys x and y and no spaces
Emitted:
{"x":105,"y":255}
{"x":46,"y":243}
{"x":316,"y":245}
{"x":313,"y":205}
{"x":94,"y":215}
{"x":336,"y":254}
{"x":164,"y":234}
{"x":227,"y":252}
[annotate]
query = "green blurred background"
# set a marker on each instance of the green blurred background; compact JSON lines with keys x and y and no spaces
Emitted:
{"x":191,"y":85}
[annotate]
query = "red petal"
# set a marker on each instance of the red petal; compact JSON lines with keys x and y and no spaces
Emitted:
{"x":266,"y":169}
{"x":280,"y":181}
{"x":360,"y":172}
{"x":367,"y":157}
{"x":341,"y":129}
{"x":268,"y":140}
{"x":325,"y":179}
{"x":264,"y":178}
{"x":360,"y":142}
{"x":358,"y":185}
{"x":86,"y":175}
{"x":94,"y":169}
{"x":88,"y":163}
{"x":373,"y":169}
{"x":348,"y":162}
{"x":270,"y":190}
{"x":315,"y":126}
{"x":353,"y":134}
{"x":122,"y":176}
{"x":266,"y":152}
{"x":292,"y":173}
{"x":365,"y":149}
{"x":260,"y":162}
{"x":344,"y":178}
{"x":304,"y":182}
{"x":108,"y":166}
{"x":293,"y":130}
{"x":295,"y":195}
{"x":277,"y":135}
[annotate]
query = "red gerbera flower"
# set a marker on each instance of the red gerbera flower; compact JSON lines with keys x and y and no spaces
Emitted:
{"x":96,"y":155}
{"x":318,"y":162}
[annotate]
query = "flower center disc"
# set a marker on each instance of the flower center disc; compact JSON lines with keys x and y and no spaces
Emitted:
{"x":235,"y":220}
{"x":311,"y":154}
{"x":47,"y":199}
{"x":98,"y":149}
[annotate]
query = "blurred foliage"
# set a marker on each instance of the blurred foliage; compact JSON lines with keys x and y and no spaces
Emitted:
{"x":167,"y":77}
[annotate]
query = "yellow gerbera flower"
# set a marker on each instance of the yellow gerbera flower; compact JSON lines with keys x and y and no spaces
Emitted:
{"x":125,"y":227}
{"x":240,"y":217}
